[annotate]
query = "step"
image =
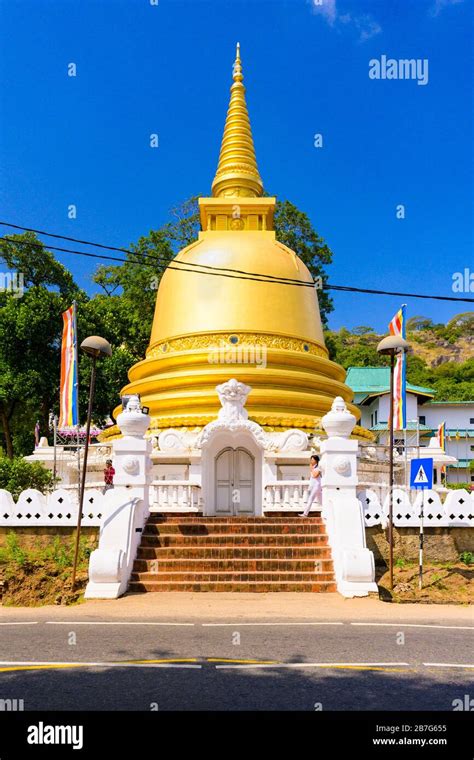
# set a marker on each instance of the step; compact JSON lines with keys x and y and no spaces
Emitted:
{"x":235,"y":552}
{"x":235,"y":539}
{"x":228,"y":586}
{"x":225,"y":528}
{"x":234,"y":577}
{"x":156,"y":517}
{"x":231,"y":564}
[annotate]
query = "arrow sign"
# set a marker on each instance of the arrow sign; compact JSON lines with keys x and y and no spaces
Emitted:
{"x":421,"y":473}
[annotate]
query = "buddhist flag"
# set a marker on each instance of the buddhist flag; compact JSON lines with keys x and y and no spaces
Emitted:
{"x":68,"y":405}
{"x":398,"y":327}
{"x":441,"y":436}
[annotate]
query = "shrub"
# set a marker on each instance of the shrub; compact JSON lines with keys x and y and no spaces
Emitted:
{"x":12,"y":552}
{"x":18,"y":474}
{"x":467,"y":558}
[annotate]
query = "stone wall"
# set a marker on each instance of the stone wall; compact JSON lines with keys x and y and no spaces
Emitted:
{"x":440,"y":544}
{"x":40,"y":537}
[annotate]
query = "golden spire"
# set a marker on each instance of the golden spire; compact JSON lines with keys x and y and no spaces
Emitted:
{"x":237,"y":172}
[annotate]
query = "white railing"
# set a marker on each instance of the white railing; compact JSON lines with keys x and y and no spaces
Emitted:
{"x":58,"y":508}
{"x":286,"y":495}
{"x":175,"y":496}
{"x":457,"y":511}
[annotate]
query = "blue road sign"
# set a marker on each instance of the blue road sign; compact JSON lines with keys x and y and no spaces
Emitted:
{"x":421,"y":473}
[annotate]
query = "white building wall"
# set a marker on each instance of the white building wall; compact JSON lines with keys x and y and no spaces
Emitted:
{"x":456,"y":417}
{"x":384,"y":407}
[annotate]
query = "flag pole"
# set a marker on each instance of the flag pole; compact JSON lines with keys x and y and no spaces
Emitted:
{"x":76,"y":393}
{"x":55,"y":443}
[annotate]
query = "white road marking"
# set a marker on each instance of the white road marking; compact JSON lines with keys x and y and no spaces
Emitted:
{"x":107,"y":622}
{"x":446,"y":665}
{"x":39,"y":664}
{"x":220,"y":625}
{"x":29,"y":623}
{"x":320,"y":665}
{"x":420,"y":625}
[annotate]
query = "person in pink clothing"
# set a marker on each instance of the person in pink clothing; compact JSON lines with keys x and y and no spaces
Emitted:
{"x":315,"y":491}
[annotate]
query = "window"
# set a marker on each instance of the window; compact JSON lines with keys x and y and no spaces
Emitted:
{"x":375,"y":417}
{"x":422,"y":419}
{"x":472,"y":447}
{"x":371,"y":420}
{"x":399,"y":445}
{"x":471,"y":421}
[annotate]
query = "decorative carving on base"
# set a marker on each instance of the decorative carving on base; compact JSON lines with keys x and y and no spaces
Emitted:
{"x":233,"y":417}
{"x":233,"y":396}
{"x":131,"y":465}
{"x":193,"y":342}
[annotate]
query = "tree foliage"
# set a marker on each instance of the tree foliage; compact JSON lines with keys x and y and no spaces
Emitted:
{"x":293,"y":228}
{"x":16,"y":475}
{"x":451,"y":380}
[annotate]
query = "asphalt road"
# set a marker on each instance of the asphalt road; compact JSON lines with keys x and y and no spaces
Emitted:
{"x":209,"y":665}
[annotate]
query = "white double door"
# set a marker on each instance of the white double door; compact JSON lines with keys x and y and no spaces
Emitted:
{"x":234,"y":482}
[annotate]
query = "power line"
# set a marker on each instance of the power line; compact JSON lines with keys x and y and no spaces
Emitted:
{"x":370,"y":291}
{"x":258,"y":278}
{"x":152,"y":256}
{"x":211,"y":270}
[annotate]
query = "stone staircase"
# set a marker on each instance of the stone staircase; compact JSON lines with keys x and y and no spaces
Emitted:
{"x":256,"y":554}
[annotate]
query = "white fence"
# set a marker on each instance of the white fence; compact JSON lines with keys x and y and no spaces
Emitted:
{"x":286,"y":495}
{"x":60,"y":507}
{"x":55,"y":509}
{"x":457,"y":511}
{"x":175,"y":496}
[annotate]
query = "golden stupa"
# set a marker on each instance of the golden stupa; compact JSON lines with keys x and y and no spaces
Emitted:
{"x":202,"y":312}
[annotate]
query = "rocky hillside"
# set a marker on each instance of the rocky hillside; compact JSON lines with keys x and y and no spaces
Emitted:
{"x":441,"y":356}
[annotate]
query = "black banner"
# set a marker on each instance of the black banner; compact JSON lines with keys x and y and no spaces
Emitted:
{"x":87,"y":734}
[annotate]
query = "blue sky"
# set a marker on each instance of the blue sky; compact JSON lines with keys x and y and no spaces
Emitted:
{"x":166,"y":69}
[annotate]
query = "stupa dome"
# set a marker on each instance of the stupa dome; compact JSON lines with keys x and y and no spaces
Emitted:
{"x":237,"y":303}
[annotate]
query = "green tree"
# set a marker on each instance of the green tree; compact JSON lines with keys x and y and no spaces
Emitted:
{"x":137,"y":282}
{"x":354,"y":349}
{"x":25,"y":253}
{"x":293,"y":228}
{"x":419,"y":323}
{"x":183,"y":229}
{"x":30,"y":329}
{"x":18,"y":474}
{"x":30,"y":333}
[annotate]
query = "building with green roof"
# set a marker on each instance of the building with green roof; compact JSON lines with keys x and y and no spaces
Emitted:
{"x":371,"y":386}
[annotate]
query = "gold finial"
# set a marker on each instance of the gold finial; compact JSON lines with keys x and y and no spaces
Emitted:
{"x":237,"y":171}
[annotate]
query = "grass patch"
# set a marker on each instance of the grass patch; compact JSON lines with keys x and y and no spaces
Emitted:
{"x":443,"y":583}
{"x":41,"y":574}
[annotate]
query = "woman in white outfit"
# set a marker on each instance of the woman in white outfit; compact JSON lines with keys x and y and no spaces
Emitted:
{"x":315,"y":491}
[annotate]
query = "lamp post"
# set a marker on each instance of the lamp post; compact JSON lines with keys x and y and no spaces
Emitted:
{"x":95,"y":347}
{"x":391,"y":346}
